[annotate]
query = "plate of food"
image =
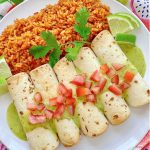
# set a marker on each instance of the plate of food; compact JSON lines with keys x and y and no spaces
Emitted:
{"x":73,"y":75}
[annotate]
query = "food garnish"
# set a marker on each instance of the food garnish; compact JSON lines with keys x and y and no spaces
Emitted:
{"x":125,"y":37}
{"x":134,"y":20}
{"x":4,"y":73}
{"x":81,"y":18}
{"x":128,"y":77}
{"x":115,"y":89}
{"x":54,"y":48}
{"x":51,"y":45}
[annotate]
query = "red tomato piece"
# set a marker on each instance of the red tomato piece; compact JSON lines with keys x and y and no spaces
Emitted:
{"x":59,"y":111}
{"x":40,"y":107}
{"x":82,"y":91}
{"x":115,"y":79}
{"x":111,"y":73}
{"x":88,"y":84}
{"x":69,"y":93}
{"x":37,"y":119}
{"x":115,"y":89}
{"x":95,"y":90}
{"x":48,"y":114}
{"x":91,"y":98}
{"x":71,"y":109}
{"x":62,"y":89}
{"x":128,"y":77}
{"x":60,"y":99}
{"x":53,"y":101}
{"x":104,"y":68}
{"x":95,"y":76}
{"x":70,"y":101}
{"x":102,"y":83}
{"x":32,"y":106}
{"x":123,"y":86}
{"x":118,"y":67}
{"x":79,"y":80}
{"x":38,"y":97}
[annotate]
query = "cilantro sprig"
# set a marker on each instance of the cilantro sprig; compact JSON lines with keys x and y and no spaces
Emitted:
{"x":52,"y":46}
{"x":81,"y":18}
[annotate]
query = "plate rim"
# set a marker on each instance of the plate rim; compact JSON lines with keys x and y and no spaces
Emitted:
{"x":114,"y":1}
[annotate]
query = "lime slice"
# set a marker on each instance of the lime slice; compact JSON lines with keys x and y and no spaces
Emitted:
{"x":124,"y":37}
{"x":4,"y":73}
{"x":133,"y":20}
{"x":123,"y":1}
{"x":135,"y":56}
{"x":119,"y":24}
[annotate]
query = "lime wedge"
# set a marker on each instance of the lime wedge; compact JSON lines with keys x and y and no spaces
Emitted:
{"x":135,"y":56}
{"x":123,"y":1}
{"x":119,"y":24}
{"x":124,"y":37}
{"x":4,"y":73}
{"x":133,"y":20}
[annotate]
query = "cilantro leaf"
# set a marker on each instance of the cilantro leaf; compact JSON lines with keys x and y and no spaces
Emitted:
{"x":39,"y":51}
{"x":72,"y":52}
{"x":55,"y":56}
{"x":83,"y":31}
{"x":50,"y":39}
{"x":81,"y":18}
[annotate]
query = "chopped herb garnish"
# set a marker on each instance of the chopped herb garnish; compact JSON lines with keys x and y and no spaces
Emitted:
{"x":81,"y":18}
{"x":52,"y":46}
{"x":39,"y":51}
{"x":55,"y":56}
{"x":72,"y":52}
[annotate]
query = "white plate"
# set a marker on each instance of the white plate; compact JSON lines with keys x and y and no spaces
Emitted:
{"x":122,"y":137}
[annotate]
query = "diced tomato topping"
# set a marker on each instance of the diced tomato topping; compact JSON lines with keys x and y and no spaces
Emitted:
{"x":37,"y":119}
{"x":117,"y":67}
{"x":79,"y":80}
{"x":123,"y":86}
{"x":71,"y":109}
{"x":104,"y":68}
{"x":95,"y":90}
{"x":60,"y":99}
{"x":91,"y":98}
{"x":111,"y":73}
{"x":69,"y":93}
{"x":115,"y":89}
{"x":53,"y":101}
{"x":115,"y":79}
{"x":70,"y":101}
{"x":40,"y":107}
{"x":128,"y":77}
{"x":82,"y":91}
{"x":38,"y":97}
{"x":62,"y":89}
{"x":95,"y":76}
{"x":48,"y":114}
{"x":88,"y":84}
{"x":102,"y":83}
{"x":32,"y":106}
{"x":59,"y":111}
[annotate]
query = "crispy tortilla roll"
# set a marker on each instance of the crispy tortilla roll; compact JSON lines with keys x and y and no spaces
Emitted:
{"x":22,"y":92}
{"x":107,"y":50}
{"x":113,"y":105}
{"x":92,"y":121}
{"x":45,"y":81}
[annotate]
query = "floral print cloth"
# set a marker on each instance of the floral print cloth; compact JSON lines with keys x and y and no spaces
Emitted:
{"x":139,"y":7}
